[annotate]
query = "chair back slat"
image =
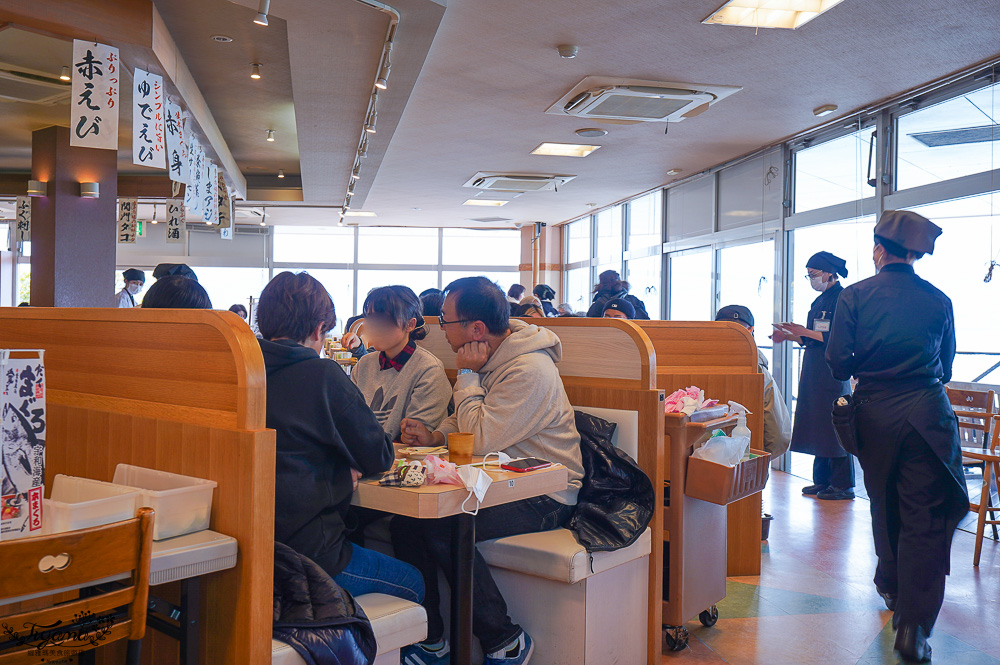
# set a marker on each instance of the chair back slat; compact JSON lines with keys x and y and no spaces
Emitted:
{"x":974,"y":410}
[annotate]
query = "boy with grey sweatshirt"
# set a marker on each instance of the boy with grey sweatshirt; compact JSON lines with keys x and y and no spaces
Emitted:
{"x":509,"y":394}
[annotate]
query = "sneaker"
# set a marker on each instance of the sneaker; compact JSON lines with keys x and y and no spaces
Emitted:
{"x":518,"y":652}
{"x":419,"y":654}
{"x":836,"y":494}
{"x":813,"y":489}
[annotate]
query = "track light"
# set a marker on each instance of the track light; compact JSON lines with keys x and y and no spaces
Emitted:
{"x":370,"y":125}
{"x":270,"y":135}
{"x":255,"y":71}
{"x":153,"y":221}
{"x":64,"y":75}
{"x":262,"y":10}
{"x":281,"y":174}
{"x":356,"y":173}
{"x":382,"y":82}
{"x":363,"y":151}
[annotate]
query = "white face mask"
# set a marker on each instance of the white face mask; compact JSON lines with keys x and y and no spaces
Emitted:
{"x":134,"y":288}
{"x":818,"y":283}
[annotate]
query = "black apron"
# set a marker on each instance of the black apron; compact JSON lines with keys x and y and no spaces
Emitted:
{"x":812,"y":432}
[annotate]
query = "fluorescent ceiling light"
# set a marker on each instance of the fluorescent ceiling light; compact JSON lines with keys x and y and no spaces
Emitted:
{"x":359,"y":213}
{"x":485,"y":202}
{"x":565,"y":149}
{"x":770,"y":13}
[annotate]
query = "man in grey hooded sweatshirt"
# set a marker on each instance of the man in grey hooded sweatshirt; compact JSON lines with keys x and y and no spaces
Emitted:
{"x":509,"y":394}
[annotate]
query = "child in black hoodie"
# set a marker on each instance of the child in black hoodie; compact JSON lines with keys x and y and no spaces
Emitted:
{"x":327,"y":437}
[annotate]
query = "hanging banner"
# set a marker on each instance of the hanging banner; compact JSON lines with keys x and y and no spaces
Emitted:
{"x":175,"y":220}
{"x":22,"y":211}
{"x":210,"y":197}
{"x":128,"y":210}
{"x":197,"y":189}
{"x":93,"y":119}
{"x":225,"y":208}
{"x":147,"y":120}
{"x":189,"y":186}
{"x":177,"y":158}
{"x":22,"y":441}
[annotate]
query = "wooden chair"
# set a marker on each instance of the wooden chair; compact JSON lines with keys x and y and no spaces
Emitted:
{"x":76,"y":559}
{"x":975,"y":410}
{"x":990,"y":460}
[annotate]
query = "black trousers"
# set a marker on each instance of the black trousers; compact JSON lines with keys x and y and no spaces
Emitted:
{"x":916,"y":522}
{"x":426,"y":544}
{"x":834,"y":471}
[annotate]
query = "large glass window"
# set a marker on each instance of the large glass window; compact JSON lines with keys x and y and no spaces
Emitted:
{"x":227,"y":286}
{"x":746,"y":277}
{"x":691,"y":285}
{"x":645,"y":221}
{"x":951,"y":139}
{"x":339,"y":284}
{"x":418,"y":280}
{"x":578,"y":288}
{"x":298,"y":244}
{"x":609,"y":239}
{"x":463,"y":247}
{"x":833,"y":171}
{"x":578,"y":240}
{"x":645,"y":277}
{"x":501,"y":279}
{"x":398,"y":246}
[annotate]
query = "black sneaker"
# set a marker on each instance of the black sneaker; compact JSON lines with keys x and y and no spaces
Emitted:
{"x":813,"y":489}
{"x":836,"y":494}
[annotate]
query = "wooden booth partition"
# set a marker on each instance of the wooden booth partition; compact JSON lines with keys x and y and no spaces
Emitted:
{"x":609,"y":364}
{"x":721,"y":358}
{"x":180,"y":391}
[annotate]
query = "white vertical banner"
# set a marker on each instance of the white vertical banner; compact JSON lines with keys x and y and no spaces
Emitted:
{"x":175,"y":220}
{"x":22,"y":212}
{"x":190,"y":195}
{"x":147,"y":120}
{"x":198,"y":180}
{"x":93,"y":107}
{"x":128,"y":211}
{"x":225,"y":208}
{"x":210,"y":198}
{"x":177,"y":158}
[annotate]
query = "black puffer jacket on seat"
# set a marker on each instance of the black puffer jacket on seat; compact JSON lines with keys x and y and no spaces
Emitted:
{"x":616,"y":501}
{"x":315,"y":616}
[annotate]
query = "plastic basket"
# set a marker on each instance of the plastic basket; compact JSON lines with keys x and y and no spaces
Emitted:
{"x":721,"y":484}
{"x":183,"y":504}
{"x":79,"y":503}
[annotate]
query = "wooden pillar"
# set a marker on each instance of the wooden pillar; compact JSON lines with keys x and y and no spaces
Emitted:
{"x":72,"y":238}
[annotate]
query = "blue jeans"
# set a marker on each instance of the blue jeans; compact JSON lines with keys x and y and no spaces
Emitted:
{"x":369,"y":571}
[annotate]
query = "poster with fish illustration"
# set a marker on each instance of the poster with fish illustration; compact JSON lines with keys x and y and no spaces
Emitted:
{"x":22,"y":443}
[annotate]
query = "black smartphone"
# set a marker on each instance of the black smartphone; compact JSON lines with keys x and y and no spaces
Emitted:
{"x":526,"y":464}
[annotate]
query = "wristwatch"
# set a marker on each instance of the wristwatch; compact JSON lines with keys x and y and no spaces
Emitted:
{"x":466,"y":370}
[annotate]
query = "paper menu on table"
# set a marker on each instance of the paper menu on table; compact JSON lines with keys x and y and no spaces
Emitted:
{"x":22,"y":442}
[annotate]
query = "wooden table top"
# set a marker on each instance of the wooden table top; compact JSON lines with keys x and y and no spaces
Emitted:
{"x":434,"y":501}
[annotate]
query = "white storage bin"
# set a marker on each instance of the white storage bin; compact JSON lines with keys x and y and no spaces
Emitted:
{"x":79,"y":503}
{"x":183,"y":504}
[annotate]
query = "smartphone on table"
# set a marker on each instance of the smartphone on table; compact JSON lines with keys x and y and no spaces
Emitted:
{"x":526,"y":464}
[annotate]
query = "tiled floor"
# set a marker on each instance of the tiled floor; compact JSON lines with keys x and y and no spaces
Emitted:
{"x":814,"y":603}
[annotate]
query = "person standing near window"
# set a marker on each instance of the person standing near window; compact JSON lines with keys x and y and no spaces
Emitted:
{"x":812,"y":433}
{"x":895,"y":333}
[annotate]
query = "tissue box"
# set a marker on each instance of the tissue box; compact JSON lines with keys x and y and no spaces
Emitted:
{"x":22,"y":442}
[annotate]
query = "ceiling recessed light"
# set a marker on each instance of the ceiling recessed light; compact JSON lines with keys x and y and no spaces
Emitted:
{"x":222,"y":39}
{"x":270,"y":135}
{"x":64,"y":74}
{"x":359,"y":213}
{"x":591,"y":132}
{"x":567,"y":51}
{"x":826,"y":109}
{"x":673,"y":171}
{"x":564,"y":149}
{"x":765,"y":14}
{"x":485,"y":202}
{"x":255,"y":71}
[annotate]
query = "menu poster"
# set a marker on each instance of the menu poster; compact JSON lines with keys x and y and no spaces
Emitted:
{"x":177,"y":153}
{"x":225,"y":208}
{"x":22,"y":212}
{"x":210,"y":195}
{"x":198,"y":175}
{"x":147,"y":120}
{"x":175,"y":220}
{"x":128,"y":212}
{"x":22,"y":441}
{"x":93,"y":119}
{"x":189,"y":186}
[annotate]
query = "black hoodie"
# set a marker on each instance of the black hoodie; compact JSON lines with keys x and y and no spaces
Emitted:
{"x":324,"y":428}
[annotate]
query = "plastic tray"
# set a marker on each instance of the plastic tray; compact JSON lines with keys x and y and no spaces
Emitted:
{"x":183,"y":504}
{"x":721,"y":484}
{"x":79,"y":503}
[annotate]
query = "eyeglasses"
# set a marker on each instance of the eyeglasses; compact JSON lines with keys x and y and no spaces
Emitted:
{"x":811,"y":275}
{"x":443,"y":323}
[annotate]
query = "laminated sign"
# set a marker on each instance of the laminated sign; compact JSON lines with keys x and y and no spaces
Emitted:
{"x":22,"y":440}
{"x":93,"y":107}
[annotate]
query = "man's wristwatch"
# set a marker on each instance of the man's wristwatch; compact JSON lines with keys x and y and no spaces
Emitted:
{"x":466,"y":370}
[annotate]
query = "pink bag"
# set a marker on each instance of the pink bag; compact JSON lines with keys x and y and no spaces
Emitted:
{"x":439,"y":471}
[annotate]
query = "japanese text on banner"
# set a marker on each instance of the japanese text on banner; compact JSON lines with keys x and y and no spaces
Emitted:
{"x":210,"y":194}
{"x":177,"y":153}
{"x":175,"y":220}
{"x":94,"y":105}
{"x":22,"y":210}
{"x":147,"y":120}
{"x":22,"y":440}
{"x":128,"y":210}
{"x":225,"y":208}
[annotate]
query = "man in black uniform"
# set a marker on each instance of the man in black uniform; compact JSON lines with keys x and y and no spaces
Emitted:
{"x":896,"y":333}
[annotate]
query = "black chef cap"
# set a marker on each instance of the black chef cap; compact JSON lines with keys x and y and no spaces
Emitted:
{"x":182,"y":269}
{"x":827,"y":262}
{"x":912,"y":232}
{"x":735,"y":313}
{"x":134,"y":275}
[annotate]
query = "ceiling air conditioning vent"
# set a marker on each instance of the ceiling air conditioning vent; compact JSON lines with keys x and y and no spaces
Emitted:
{"x":490,"y":220}
{"x":630,"y":101}
{"x":515,"y":182}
